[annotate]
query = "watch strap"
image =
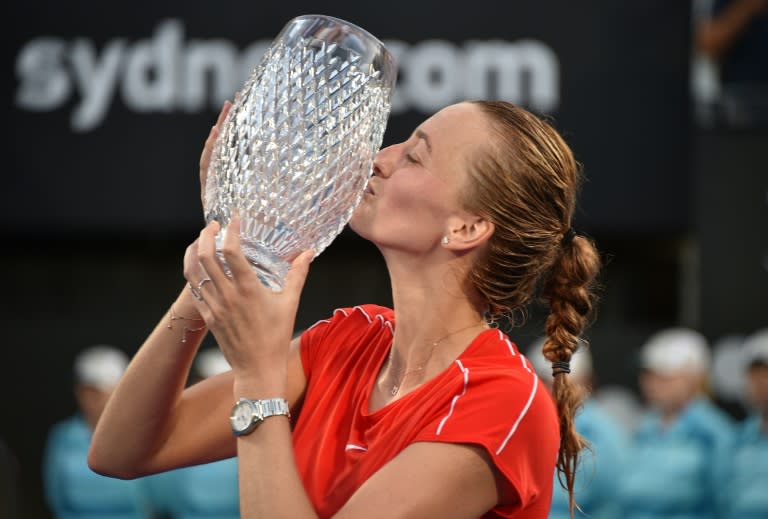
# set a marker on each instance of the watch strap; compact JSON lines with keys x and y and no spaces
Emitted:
{"x":273,"y":407}
{"x":261,"y":410}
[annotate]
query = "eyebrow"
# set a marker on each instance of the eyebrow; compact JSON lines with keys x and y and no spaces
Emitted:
{"x":421,"y":135}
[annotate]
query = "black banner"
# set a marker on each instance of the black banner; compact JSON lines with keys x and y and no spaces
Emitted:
{"x":110,"y":104}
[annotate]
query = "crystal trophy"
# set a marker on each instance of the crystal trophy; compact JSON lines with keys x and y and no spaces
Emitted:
{"x":296,"y":150}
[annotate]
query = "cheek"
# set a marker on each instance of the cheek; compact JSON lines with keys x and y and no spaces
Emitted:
{"x":420,"y":201}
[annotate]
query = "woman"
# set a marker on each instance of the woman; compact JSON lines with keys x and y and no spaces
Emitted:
{"x":437,"y":415}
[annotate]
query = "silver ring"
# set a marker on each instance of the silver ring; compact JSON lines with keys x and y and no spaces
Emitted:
{"x":195,"y":292}
{"x":202,"y":282}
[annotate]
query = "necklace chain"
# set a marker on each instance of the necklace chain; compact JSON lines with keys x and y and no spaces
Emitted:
{"x":403,"y":374}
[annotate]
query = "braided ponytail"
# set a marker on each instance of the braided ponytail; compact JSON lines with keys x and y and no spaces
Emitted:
{"x":526,"y":183}
{"x":569,"y":292}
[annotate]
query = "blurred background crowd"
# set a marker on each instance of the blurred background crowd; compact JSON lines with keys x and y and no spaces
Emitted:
{"x":664,"y":103}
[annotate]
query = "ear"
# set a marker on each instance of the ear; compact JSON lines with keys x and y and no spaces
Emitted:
{"x":467,"y":232}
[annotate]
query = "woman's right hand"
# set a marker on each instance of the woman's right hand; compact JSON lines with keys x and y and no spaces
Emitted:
{"x":205,"y":157}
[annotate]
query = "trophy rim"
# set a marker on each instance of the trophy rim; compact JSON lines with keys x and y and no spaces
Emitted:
{"x":389,"y":57}
{"x":341,"y":21}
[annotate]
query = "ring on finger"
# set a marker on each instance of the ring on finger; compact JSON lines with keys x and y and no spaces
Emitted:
{"x":200,"y":285}
{"x":195,"y":292}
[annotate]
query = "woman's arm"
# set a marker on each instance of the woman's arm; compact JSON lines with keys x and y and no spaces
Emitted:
{"x":152,"y":423}
{"x":426,"y":480}
{"x":430,"y":480}
{"x":146,"y":425}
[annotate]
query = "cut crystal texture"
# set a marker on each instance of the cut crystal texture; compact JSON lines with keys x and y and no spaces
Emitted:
{"x":295,"y":153}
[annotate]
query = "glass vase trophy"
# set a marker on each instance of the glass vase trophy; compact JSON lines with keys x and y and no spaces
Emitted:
{"x":296,"y":150}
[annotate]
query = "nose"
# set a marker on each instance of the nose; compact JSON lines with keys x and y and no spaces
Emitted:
{"x":383,"y":162}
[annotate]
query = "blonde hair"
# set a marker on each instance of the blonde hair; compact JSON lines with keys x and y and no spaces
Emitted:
{"x":527,"y":186}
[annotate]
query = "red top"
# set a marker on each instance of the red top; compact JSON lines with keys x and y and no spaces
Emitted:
{"x":490,"y":396}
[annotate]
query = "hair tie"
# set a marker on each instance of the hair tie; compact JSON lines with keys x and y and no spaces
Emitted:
{"x":568,"y":237}
{"x":560,"y":366}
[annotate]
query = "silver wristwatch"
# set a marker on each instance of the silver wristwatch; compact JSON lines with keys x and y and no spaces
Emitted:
{"x":248,"y":414}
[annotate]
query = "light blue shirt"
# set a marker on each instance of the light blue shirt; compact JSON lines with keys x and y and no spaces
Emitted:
{"x":599,"y":469}
{"x":674,"y":471}
{"x":72,"y":489}
{"x":207,"y":491}
{"x":745,"y":479}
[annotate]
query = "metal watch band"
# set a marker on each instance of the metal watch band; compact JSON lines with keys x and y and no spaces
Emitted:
{"x":273,"y":407}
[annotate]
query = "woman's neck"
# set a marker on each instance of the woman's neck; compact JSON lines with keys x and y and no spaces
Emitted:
{"x":436,"y":318}
{"x":431,"y":301}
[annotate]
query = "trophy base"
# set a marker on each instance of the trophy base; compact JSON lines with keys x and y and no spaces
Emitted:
{"x":270,"y":268}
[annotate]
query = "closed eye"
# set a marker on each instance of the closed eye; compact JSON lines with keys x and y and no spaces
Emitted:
{"x":411,"y":158}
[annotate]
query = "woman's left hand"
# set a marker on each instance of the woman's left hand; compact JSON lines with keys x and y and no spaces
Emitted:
{"x":253,"y":324}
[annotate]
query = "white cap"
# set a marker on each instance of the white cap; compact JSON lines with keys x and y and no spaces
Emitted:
{"x":210,"y":362}
{"x":674,"y":350}
{"x":100,"y":366}
{"x":756,"y":347}
{"x":728,"y":367}
{"x":581,"y":361}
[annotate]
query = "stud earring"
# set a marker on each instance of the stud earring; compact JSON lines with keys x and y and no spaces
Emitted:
{"x":445,"y":240}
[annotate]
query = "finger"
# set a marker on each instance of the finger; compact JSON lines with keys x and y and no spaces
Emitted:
{"x":205,"y":157}
{"x":223,"y":113}
{"x":208,"y":257}
{"x":297,"y":274}
{"x":232,"y":250}
{"x":193,"y":273}
{"x":193,"y":270}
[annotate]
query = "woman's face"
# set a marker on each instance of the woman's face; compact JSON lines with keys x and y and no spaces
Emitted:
{"x":412,"y":200}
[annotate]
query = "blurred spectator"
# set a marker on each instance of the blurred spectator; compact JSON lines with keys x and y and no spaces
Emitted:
{"x":600,"y":466}
{"x":677,"y":451}
{"x":621,"y":404}
{"x":208,"y":363}
{"x":733,"y":34}
{"x":704,"y":73}
{"x":72,"y":489}
{"x":745,"y":482}
{"x":728,"y":375}
{"x":207,"y":491}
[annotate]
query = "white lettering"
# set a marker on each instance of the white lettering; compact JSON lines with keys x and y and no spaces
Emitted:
{"x":45,"y":84}
{"x":432,"y":70}
{"x":166,"y":73}
{"x":215,"y":61}
{"x":151,"y":71}
{"x":96,"y":81}
{"x":526,"y":72}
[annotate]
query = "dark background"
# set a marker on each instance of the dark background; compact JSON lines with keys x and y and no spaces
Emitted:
{"x":95,"y":221}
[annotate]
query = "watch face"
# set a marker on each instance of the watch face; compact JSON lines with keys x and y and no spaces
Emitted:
{"x":242,"y":416}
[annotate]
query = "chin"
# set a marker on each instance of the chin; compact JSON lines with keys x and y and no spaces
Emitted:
{"x":356,"y":226}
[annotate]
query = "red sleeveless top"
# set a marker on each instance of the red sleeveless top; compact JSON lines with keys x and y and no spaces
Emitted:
{"x":490,"y":397}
